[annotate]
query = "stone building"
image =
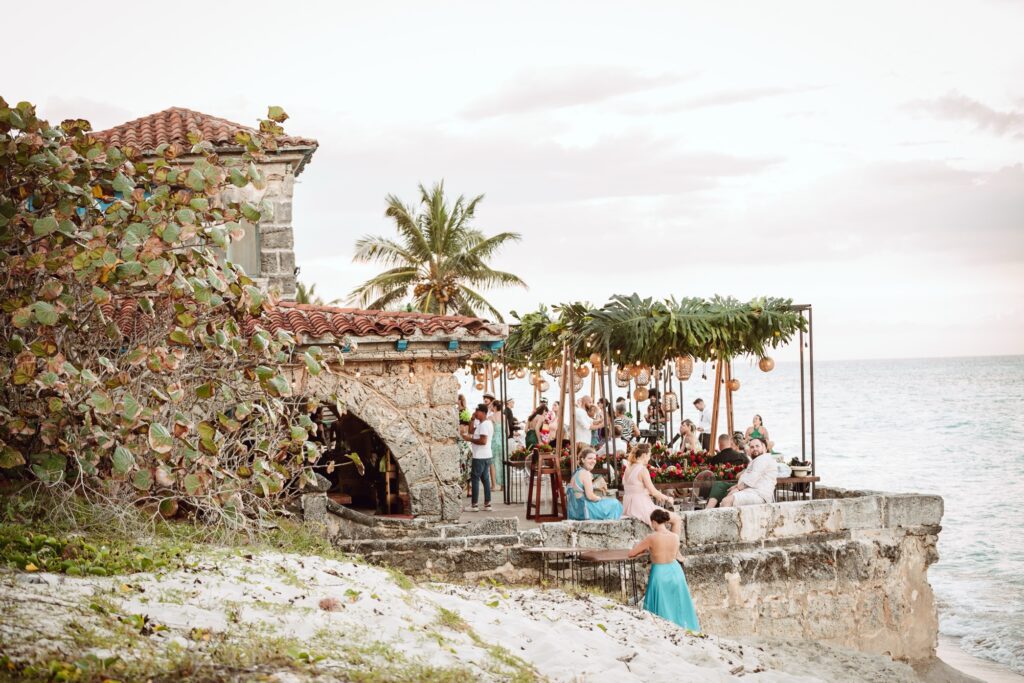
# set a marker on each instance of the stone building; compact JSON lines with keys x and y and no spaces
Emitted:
{"x":396,"y":387}
{"x":398,"y":391}
{"x":268,"y":254}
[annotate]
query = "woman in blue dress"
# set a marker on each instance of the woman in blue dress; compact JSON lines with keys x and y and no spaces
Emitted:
{"x":667,"y":594}
{"x":582,"y":502}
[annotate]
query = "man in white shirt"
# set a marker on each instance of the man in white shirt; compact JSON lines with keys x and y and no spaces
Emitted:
{"x":756,"y":485}
{"x":703,"y":424}
{"x":583,"y":421}
{"x":480,"y":446}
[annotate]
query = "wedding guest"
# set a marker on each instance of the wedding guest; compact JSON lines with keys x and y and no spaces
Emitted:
{"x":667,"y":593}
{"x":630,"y":432}
{"x":703,"y":424}
{"x":535,"y":424}
{"x":583,"y":420}
{"x":583,"y":503}
{"x":727,"y":454}
{"x":759,"y":431}
{"x":687,"y":432}
{"x":481,"y":448}
{"x":497,"y":444}
{"x":756,"y":485}
{"x":639,"y":493}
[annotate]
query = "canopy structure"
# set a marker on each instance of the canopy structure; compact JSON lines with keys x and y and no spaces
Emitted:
{"x":652,"y":342}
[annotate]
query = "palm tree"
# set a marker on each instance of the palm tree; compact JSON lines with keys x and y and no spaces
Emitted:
{"x":308,"y":295}
{"x":439,"y":261}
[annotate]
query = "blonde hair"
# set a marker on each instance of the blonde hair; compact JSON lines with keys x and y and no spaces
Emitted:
{"x":638,"y":452}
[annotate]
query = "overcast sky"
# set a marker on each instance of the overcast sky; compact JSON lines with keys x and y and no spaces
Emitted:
{"x":863,"y":157}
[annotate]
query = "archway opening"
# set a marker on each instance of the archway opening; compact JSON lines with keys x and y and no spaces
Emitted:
{"x":364,"y":474}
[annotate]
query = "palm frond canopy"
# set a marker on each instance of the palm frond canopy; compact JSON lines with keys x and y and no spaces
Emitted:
{"x":652,"y":331}
{"x":439,"y":261}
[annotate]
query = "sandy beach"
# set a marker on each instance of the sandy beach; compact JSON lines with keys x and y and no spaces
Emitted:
{"x":318,"y":610}
{"x":949,"y":652}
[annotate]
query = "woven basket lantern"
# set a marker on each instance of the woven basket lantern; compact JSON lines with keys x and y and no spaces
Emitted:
{"x":520,"y":373}
{"x":671,"y":402}
{"x":577,"y":384}
{"x":684,"y":367}
{"x":641,"y":394}
{"x":766,"y":364}
{"x":734,"y":385}
{"x":622,"y":377}
{"x":582,"y":371}
{"x":643,"y":378}
{"x":595,"y":359}
{"x":554,"y":367}
{"x":544,"y":386}
{"x":479,"y":386}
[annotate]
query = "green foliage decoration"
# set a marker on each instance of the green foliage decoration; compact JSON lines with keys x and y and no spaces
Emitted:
{"x":125,"y":366}
{"x":652,"y":331}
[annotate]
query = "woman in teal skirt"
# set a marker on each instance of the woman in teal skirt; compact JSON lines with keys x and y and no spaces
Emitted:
{"x":667,"y":594}
{"x":581,"y":500}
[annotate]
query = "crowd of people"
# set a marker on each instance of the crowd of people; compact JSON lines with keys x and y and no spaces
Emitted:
{"x":598,"y":423}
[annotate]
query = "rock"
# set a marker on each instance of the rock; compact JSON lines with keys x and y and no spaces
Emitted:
{"x":320,"y":485}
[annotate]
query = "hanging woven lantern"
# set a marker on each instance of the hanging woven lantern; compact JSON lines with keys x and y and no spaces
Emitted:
{"x":643,"y":378}
{"x":582,"y":371}
{"x":641,"y":394}
{"x":577,"y":384}
{"x":520,"y":373}
{"x":634,"y":370}
{"x":622,"y":377}
{"x":554,"y":367}
{"x":595,"y":359}
{"x":684,"y":367}
{"x":734,"y":385}
{"x":479,"y":386}
{"x":480,"y":377}
{"x":670,"y":402}
{"x":766,"y":364}
{"x":544,"y":386}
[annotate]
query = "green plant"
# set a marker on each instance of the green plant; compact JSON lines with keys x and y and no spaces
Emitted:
{"x":440,"y":261}
{"x":132,"y":362}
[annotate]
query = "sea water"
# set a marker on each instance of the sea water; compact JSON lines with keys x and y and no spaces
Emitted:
{"x":951,"y":426}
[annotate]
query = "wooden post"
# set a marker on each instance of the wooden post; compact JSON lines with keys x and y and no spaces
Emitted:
{"x":728,"y":394}
{"x":714,"y":408}
{"x":570,"y":375}
{"x":559,"y":431}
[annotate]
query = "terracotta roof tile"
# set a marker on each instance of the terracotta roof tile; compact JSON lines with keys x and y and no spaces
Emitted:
{"x":172,"y":126}
{"x":309,"y":322}
{"x":320,"y":322}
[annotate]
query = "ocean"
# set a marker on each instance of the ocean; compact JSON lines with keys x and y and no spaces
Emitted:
{"x":950,"y":426}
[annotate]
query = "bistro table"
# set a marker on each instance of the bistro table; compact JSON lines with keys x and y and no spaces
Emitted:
{"x":602,"y":562}
{"x":557,"y":562}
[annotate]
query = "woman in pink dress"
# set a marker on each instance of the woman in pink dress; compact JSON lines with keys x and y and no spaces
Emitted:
{"x":638,"y":490}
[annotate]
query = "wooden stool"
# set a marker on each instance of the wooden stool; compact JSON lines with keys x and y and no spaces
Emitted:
{"x":545,"y":463}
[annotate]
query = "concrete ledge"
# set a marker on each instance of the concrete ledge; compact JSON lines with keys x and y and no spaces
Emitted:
{"x":911,"y":510}
{"x":720,"y":525}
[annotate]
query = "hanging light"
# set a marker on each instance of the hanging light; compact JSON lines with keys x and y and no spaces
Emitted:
{"x":641,"y":394}
{"x":479,"y":386}
{"x":544,"y":386}
{"x":766,"y":364}
{"x":520,"y":373}
{"x":734,"y":385}
{"x":582,"y":371}
{"x":684,"y":367}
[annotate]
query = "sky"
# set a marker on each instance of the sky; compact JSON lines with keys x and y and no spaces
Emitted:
{"x":865,"y":158}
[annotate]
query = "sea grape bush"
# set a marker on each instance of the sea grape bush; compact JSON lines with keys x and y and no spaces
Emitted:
{"x":127,"y":368}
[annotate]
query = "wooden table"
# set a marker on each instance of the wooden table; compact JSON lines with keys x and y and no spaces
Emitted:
{"x":602,"y":561}
{"x":564,"y":560}
{"x":790,"y":488}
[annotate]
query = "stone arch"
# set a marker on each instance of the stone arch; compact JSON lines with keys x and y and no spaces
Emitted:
{"x":380,"y":411}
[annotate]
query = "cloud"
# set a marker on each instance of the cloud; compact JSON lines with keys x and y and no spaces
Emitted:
{"x":722,"y":98}
{"x":958,"y":107}
{"x":538,"y":90}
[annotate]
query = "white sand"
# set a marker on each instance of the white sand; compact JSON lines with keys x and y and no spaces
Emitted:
{"x":559,"y":636}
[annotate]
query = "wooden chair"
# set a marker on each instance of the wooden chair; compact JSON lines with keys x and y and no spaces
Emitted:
{"x":546,"y":464}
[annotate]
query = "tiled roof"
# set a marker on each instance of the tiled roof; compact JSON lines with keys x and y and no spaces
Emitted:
{"x":173,"y":125}
{"x":308,"y":322}
{"x":319,"y":322}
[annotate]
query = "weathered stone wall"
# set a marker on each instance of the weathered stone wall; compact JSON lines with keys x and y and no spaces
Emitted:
{"x":411,"y":402}
{"x":276,"y":235}
{"x":850,"y":570}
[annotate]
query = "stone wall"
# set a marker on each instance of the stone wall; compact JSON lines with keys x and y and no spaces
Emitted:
{"x":276,"y":235}
{"x":411,"y":402}
{"x":850,"y":570}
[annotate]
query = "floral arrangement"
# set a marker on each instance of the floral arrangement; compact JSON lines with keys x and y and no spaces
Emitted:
{"x":686,"y":465}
